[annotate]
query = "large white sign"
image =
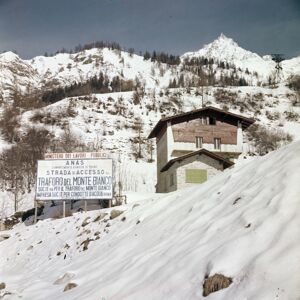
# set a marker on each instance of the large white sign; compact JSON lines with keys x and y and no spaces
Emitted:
{"x":74,"y":179}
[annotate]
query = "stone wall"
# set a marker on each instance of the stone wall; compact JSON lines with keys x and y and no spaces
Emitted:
{"x":202,"y":161}
{"x":162,"y":159}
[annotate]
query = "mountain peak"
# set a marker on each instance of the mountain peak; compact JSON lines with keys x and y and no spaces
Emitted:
{"x":223,"y":39}
{"x":8,"y":56}
{"x":227,"y":50}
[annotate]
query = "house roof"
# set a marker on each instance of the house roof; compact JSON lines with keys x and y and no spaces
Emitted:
{"x":246,"y":122}
{"x":227,"y":163}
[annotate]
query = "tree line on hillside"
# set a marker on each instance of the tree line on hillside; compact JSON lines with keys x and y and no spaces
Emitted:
{"x":207,"y":79}
{"x":161,"y":57}
{"x":88,"y":46}
{"x":97,"y":84}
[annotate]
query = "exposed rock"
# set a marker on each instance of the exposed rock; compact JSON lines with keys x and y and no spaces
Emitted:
{"x":215,"y":283}
{"x":2,"y":285}
{"x":86,"y":221}
{"x":236,"y":200}
{"x":4,"y":236}
{"x":67,"y":246}
{"x":65,"y":278}
{"x":100,"y":217}
{"x":135,"y":205}
{"x":69,"y":286}
{"x":115,"y":213}
{"x":9,"y":223}
{"x":86,"y":244}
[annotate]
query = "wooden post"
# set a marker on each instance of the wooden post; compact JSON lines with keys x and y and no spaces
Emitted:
{"x":85,"y":206}
{"x":202,"y":105}
{"x":35,"y":211}
{"x":64,"y":209}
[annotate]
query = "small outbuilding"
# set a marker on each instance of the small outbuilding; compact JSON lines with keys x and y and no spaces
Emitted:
{"x":192,"y":168}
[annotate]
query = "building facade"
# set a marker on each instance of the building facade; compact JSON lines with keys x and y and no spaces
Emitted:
{"x":180,"y":138}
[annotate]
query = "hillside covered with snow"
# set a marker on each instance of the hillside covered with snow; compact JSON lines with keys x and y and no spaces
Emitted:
{"x":109,"y":100}
{"x":243,"y":224}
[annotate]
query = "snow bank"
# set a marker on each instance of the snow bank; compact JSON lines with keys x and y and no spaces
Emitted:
{"x":244,"y":223}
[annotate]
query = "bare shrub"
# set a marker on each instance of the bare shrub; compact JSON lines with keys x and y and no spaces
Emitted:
{"x":294,"y":82}
{"x":224,"y":96}
{"x":68,"y":142}
{"x":52,"y":118}
{"x":265,"y":140}
{"x":18,"y":163}
{"x":215,"y":283}
{"x":136,"y":98}
{"x":273,"y":115}
{"x":291,"y":115}
{"x":9,"y":123}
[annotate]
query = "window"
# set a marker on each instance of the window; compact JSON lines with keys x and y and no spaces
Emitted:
{"x":212,"y":121}
{"x":199,"y":142}
{"x":217,"y":143}
{"x":195,"y":175}
{"x":203,"y":120}
{"x":171,"y":179}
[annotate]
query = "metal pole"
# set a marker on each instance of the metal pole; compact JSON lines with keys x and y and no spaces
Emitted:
{"x":64,"y":209}
{"x":35,"y":211}
{"x":85,"y":206}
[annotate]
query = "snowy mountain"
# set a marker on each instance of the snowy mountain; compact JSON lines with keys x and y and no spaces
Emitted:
{"x":16,"y":73}
{"x":61,"y":70}
{"x":224,"y":49}
{"x":78,"y":67}
{"x":243,"y":224}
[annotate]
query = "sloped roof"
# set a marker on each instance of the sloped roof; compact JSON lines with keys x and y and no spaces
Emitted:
{"x":246,"y":122}
{"x":227,"y":163}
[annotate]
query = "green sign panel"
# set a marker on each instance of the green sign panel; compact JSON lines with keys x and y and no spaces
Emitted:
{"x":195,"y":175}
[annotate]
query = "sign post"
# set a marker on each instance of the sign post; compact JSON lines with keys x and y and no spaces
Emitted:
{"x":74,"y":176}
{"x":35,"y":211}
{"x":64,"y":209}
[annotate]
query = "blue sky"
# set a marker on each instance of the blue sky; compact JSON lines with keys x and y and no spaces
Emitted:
{"x":32,"y":27}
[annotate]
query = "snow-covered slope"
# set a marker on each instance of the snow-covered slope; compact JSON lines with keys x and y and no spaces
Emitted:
{"x":291,"y":66}
{"x":108,"y":122}
{"x":78,"y":67}
{"x":244,"y":223}
{"x":64,"y":69}
{"x":16,"y":74}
